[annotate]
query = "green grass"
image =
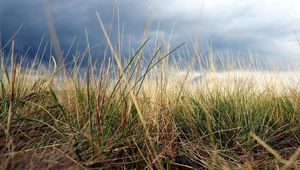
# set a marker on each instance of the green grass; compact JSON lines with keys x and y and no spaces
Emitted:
{"x":146,"y":115}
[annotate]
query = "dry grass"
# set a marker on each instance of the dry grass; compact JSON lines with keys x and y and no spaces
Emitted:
{"x":147,"y":115}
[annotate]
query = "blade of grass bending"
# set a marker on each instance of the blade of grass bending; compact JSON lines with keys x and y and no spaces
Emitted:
{"x":147,"y":70}
{"x":132,"y":96}
{"x":64,"y":113}
{"x":150,"y":68}
{"x":131,"y":76}
{"x":113,"y":51}
{"x":143,"y":75}
{"x":134,"y":56}
{"x":124,"y":72}
{"x":129,"y":79}
{"x":127,"y":66}
{"x":47,"y":124}
{"x":35,"y":104}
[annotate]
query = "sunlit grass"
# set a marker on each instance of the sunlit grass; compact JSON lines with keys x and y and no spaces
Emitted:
{"x":153,"y":115}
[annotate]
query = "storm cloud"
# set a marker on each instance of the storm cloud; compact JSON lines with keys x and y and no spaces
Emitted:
{"x":268,"y":28}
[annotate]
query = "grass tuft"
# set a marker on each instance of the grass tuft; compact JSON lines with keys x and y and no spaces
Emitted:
{"x":149,"y":113}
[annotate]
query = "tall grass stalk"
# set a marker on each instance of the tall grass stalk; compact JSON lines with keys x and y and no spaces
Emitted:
{"x":159,"y":112}
{"x":12,"y":89}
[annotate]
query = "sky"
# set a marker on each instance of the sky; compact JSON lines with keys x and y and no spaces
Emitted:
{"x":268,"y":28}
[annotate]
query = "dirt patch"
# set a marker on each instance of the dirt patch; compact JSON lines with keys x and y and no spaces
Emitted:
{"x":48,"y":159}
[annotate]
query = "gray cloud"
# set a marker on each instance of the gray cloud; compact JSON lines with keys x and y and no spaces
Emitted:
{"x":265,"y":28}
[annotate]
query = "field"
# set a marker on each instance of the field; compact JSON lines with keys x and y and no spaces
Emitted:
{"x":128,"y":113}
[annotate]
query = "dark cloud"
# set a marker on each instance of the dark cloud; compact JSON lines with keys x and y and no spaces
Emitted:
{"x":265,"y":28}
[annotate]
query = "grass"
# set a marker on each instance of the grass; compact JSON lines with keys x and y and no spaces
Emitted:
{"x":132,"y":114}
